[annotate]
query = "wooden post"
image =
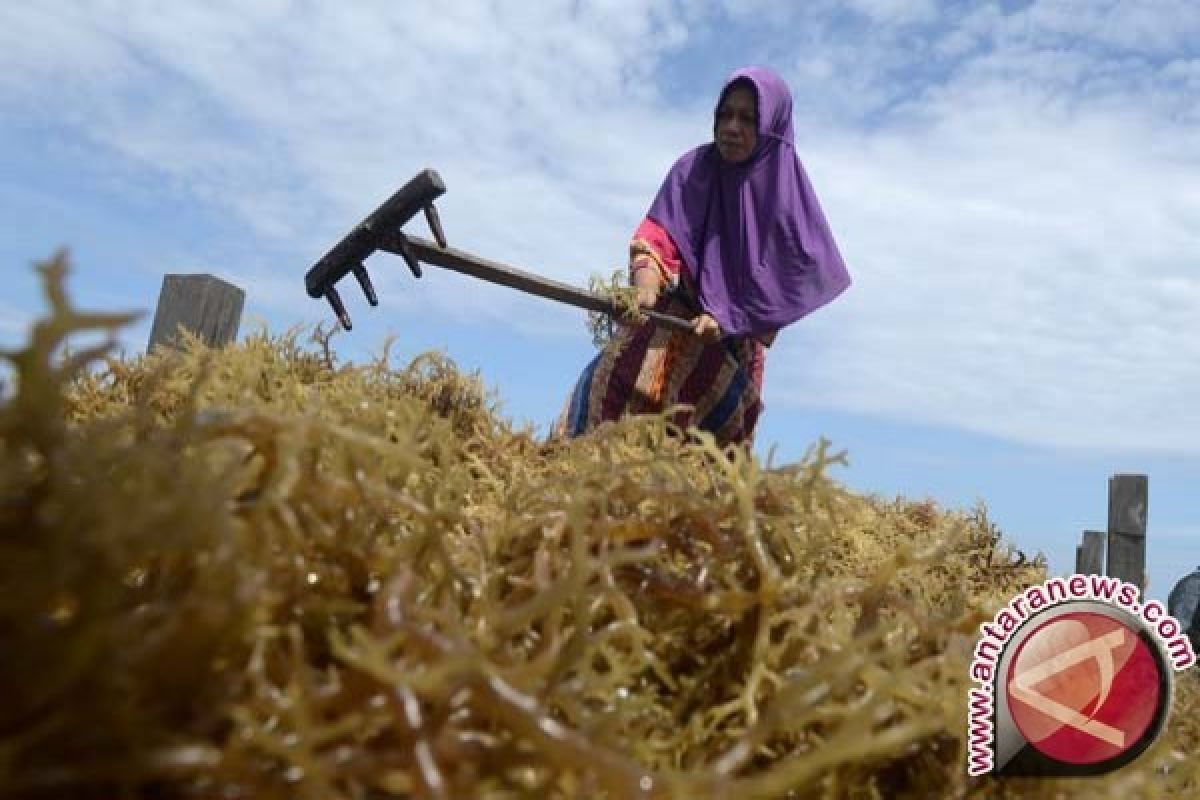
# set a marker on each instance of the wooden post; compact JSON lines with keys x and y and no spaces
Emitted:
{"x":205,"y":305}
{"x":1127,"y":506}
{"x":1089,"y":556}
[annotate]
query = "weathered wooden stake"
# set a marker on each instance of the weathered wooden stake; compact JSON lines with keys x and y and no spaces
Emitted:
{"x":205,"y":305}
{"x":1089,"y":556}
{"x":1127,"y":506}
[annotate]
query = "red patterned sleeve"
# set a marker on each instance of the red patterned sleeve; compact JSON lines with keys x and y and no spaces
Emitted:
{"x":652,"y":248}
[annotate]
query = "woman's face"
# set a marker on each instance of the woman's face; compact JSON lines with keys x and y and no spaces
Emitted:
{"x":737,"y":125}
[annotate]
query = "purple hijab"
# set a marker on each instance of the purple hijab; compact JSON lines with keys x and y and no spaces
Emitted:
{"x":752,"y":234}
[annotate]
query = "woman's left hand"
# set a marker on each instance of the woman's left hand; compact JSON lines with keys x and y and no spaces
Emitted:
{"x":706,"y":328}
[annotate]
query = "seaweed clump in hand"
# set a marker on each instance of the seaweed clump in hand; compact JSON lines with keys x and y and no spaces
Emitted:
{"x":257,"y":572}
{"x":615,"y":288}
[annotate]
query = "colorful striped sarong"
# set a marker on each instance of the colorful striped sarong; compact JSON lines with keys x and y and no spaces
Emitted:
{"x":647,"y":369}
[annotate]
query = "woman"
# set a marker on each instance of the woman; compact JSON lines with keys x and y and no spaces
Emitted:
{"x":736,"y":241}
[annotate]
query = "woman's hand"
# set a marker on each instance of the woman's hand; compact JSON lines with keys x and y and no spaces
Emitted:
{"x":706,"y":328}
{"x":648,"y":284}
{"x":647,"y":296}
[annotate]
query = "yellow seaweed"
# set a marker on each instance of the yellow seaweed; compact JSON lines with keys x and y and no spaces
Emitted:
{"x":255,"y":572}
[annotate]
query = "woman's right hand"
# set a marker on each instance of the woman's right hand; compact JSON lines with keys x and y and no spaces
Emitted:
{"x":648,"y":284}
{"x":647,"y":296}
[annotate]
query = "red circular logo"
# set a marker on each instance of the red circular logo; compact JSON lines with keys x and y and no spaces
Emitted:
{"x":1084,"y":688}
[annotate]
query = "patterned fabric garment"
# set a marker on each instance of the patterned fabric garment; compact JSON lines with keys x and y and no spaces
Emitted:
{"x":647,"y":369}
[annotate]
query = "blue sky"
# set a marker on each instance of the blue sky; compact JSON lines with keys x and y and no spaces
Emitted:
{"x":1015,"y":188}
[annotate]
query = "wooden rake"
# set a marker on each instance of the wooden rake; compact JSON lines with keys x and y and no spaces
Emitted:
{"x":381,"y":230}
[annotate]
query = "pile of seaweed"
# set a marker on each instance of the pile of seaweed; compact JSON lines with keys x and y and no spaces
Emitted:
{"x":259,"y":573}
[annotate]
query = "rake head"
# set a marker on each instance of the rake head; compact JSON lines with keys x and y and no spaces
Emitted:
{"x":384,"y":223}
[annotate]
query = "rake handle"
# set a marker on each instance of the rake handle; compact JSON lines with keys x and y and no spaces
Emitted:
{"x":495,"y":272}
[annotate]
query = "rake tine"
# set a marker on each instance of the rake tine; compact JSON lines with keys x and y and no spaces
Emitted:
{"x":410,"y":258}
{"x":435,"y":225}
{"x":335,"y":300}
{"x":364,"y":280}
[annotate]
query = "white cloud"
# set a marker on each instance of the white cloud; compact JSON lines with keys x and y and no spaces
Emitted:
{"x":896,"y":12}
{"x":1018,"y":274}
{"x":1144,"y":27}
